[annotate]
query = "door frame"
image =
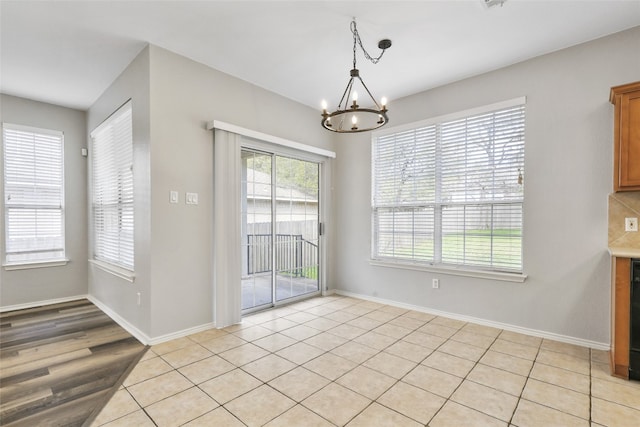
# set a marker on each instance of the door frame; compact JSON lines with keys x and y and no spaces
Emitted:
{"x":324,"y":183}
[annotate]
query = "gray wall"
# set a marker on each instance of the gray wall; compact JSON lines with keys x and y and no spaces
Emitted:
{"x":173,"y":98}
{"x":42,"y":284}
{"x":185,"y":95}
{"x":117,"y":294}
{"x":568,"y":175}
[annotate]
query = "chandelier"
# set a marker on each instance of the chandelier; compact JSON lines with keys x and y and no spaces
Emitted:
{"x":352,"y":118}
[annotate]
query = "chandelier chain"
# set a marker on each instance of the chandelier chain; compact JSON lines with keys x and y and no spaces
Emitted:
{"x":356,"y":39}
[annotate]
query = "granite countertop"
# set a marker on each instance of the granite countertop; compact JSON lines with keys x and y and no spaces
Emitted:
{"x":624,"y":252}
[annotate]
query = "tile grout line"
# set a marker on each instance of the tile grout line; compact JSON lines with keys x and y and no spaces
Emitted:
{"x":465,"y":377}
{"x":458,"y":386}
{"x":526,"y":382}
{"x":301,"y":365}
{"x":372,"y":401}
{"x":149,"y":416}
{"x":345,"y":373}
{"x":396,"y":380}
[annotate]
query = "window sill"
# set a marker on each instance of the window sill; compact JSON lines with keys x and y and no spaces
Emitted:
{"x":479,"y":274}
{"x":27,"y":265}
{"x":120,"y":272}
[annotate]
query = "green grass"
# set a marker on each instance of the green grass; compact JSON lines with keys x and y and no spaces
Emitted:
{"x":475,"y":248}
{"x":505,"y":251}
{"x":310,"y":272}
{"x":306,"y":272}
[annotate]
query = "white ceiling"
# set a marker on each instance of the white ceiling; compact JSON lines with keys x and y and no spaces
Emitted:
{"x":69,"y":52}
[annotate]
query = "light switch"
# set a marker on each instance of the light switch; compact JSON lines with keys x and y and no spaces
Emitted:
{"x":191,"y":198}
{"x":173,"y":197}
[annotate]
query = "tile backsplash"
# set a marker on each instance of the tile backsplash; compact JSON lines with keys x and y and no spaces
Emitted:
{"x":623,"y":205}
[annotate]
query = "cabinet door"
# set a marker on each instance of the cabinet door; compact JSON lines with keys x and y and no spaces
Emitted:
{"x":629,"y":122}
{"x":620,"y":313}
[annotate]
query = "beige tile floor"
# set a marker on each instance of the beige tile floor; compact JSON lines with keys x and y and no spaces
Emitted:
{"x":336,"y":361}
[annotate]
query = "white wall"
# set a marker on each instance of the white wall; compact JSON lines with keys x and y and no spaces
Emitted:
{"x":119,"y":295}
{"x":43,"y":284}
{"x":568,"y":175}
{"x":184,"y":96}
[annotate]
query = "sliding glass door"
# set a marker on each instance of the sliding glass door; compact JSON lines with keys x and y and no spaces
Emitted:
{"x":280,"y":224}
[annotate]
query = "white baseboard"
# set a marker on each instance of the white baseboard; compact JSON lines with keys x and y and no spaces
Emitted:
{"x":41,"y":303}
{"x":140,"y":336}
{"x":507,"y":327}
{"x":180,"y":334}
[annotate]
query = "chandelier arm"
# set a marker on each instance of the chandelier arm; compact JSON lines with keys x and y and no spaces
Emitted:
{"x":370,"y":96}
{"x":345,"y":95}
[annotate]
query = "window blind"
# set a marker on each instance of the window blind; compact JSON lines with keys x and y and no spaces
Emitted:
{"x":112,"y":190}
{"x":451,"y":192}
{"x":34,"y":194}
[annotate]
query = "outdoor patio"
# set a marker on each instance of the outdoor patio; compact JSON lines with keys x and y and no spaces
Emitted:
{"x":256,"y":289}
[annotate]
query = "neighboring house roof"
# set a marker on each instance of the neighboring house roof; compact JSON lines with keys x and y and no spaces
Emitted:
{"x":258,"y":187}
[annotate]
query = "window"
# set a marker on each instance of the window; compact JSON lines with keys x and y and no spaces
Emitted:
{"x":449,"y":192}
{"x":112,"y":189}
{"x":34,"y":194}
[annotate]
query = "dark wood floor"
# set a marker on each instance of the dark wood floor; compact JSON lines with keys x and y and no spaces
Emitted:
{"x":59,"y":364}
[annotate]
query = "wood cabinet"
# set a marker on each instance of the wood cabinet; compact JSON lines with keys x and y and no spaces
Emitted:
{"x":626,"y":134}
{"x":620,"y":316}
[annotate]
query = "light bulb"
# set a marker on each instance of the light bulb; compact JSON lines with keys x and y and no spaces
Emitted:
{"x":324,"y":105}
{"x":355,"y":96}
{"x":383,"y":101}
{"x":354,"y":119}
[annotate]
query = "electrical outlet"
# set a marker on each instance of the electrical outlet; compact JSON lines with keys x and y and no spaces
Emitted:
{"x":631,"y":224}
{"x":435,"y":283}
